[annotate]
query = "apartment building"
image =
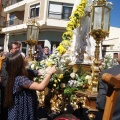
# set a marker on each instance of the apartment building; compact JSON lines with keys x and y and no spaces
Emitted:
{"x":52,"y":15}
{"x":2,"y":20}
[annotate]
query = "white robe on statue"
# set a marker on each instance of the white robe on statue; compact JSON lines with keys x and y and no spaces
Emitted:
{"x":83,"y":45}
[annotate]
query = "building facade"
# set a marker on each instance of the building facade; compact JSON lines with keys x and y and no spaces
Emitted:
{"x":52,"y":15}
{"x":2,"y":20}
{"x":111,"y":45}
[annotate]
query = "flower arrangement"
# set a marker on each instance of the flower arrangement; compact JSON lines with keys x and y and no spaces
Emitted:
{"x":64,"y":83}
{"x":108,"y":62}
{"x":67,"y":78}
{"x":57,"y":58}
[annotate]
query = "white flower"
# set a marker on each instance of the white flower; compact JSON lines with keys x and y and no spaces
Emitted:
{"x":42,"y":61}
{"x":72,"y":75}
{"x":34,"y":79}
{"x":88,"y":77}
{"x":32,"y":66}
{"x":73,"y":83}
{"x":63,"y":61}
{"x":37,"y":67}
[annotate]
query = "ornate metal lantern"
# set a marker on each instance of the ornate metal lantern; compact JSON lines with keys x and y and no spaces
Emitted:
{"x":100,"y":24}
{"x":32,"y":36}
{"x":101,"y":16}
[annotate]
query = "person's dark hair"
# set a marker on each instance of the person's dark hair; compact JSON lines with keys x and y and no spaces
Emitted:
{"x":39,"y":53}
{"x":46,"y":54}
{"x":46,"y":47}
{"x":10,"y":46}
{"x":19,"y":43}
{"x":11,"y":43}
{"x":15,"y":66}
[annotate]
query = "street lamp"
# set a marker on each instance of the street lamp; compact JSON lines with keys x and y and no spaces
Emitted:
{"x":100,"y":25}
{"x":32,"y":36}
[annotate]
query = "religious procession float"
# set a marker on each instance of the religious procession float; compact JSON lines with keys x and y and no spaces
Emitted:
{"x":77,"y":62}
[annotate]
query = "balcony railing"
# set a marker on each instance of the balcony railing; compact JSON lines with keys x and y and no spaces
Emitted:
{"x":2,"y":20}
{"x":11,"y":2}
{"x":13,"y":22}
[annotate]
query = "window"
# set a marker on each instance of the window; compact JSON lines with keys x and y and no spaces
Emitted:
{"x":66,"y":12}
{"x":2,"y":36}
{"x":54,"y":43}
{"x":24,"y":47}
{"x":41,"y":43}
{"x":34,"y":10}
{"x":12,"y":17}
{"x":59,"y":10}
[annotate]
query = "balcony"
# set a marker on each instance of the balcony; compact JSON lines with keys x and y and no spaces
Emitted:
{"x":13,"y":22}
{"x":14,"y":5}
{"x":11,"y":2}
{"x":2,"y":20}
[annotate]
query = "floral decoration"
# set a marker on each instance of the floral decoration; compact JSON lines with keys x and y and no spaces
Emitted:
{"x":108,"y":62}
{"x":57,"y":58}
{"x":67,"y":78}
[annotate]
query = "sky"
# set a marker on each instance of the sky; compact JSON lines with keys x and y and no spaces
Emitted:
{"x":115,"y":13}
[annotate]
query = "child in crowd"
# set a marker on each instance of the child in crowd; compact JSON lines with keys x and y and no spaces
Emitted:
{"x":20,"y":95}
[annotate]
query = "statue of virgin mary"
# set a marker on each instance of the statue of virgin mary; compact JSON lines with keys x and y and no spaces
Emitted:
{"x":82,"y":44}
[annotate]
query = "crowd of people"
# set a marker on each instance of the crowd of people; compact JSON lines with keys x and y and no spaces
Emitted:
{"x":19,"y":99}
{"x":18,"y":90}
